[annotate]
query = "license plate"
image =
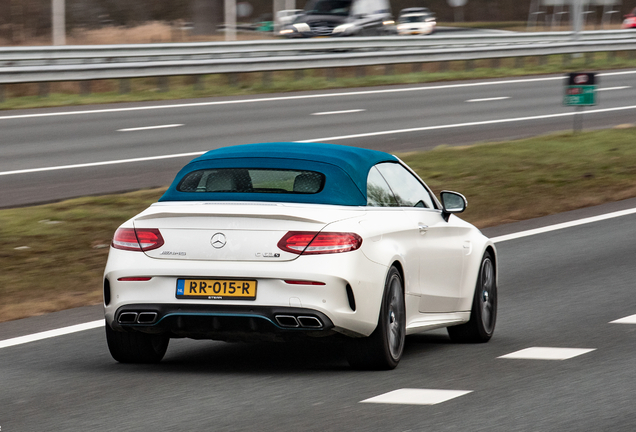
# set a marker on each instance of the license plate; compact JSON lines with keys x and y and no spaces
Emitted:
{"x":216,"y":289}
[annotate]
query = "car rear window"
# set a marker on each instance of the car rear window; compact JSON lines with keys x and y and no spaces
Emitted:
{"x":252,"y":180}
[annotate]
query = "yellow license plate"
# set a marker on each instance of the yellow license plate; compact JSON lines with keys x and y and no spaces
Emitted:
{"x":216,"y":289}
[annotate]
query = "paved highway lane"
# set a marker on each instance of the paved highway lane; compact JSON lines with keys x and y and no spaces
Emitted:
{"x":393,"y":119}
{"x":560,"y":289}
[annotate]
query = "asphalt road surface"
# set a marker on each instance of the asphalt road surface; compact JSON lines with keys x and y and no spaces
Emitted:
{"x":559,"y":290}
{"x":53,"y":154}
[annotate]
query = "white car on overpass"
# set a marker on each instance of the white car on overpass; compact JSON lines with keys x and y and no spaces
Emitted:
{"x":416,"y":21}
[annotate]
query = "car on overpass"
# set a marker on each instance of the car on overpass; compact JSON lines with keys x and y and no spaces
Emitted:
{"x":287,"y":241}
{"x":416,"y":21}
{"x":630,"y":20}
{"x":285,"y":17}
{"x":322,"y":18}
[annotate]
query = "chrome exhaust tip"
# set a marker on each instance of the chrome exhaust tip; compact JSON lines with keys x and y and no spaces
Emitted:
{"x":127,"y":317}
{"x":147,"y":317}
{"x":309,"y":322}
{"x":287,"y":321}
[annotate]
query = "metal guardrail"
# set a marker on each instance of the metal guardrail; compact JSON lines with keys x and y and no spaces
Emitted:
{"x":77,"y":63}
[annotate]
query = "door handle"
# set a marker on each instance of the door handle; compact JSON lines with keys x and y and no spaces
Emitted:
{"x":423,"y":228}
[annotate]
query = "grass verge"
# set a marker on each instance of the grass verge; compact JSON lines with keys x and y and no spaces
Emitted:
{"x":52,"y":256}
{"x":21,"y":96}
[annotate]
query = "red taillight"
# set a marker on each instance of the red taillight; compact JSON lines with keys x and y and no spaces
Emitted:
{"x":134,"y":279}
{"x":301,"y":282}
{"x":132,"y":239}
{"x":312,"y":243}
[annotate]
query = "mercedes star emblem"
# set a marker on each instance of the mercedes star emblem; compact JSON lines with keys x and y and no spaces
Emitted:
{"x":218,"y":240}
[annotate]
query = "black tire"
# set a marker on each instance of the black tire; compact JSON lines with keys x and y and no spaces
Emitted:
{"x":483,"y":315}
{"x":383,"y":349}
{"x":135,"y":347}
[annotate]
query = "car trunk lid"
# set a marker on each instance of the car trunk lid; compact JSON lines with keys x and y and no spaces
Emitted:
{"x":233,"y":231}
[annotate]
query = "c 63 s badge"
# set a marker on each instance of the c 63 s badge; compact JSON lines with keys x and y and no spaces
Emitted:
{"x":268,"y":255}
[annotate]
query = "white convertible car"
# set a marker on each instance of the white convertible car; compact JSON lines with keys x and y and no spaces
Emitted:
{"x":284,"y":240}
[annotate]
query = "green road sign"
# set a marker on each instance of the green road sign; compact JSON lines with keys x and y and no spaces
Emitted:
{"x":580,"y":90}
{"x":580,"y":95}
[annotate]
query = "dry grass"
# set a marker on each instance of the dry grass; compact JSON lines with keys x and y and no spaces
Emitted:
{"x":509,"y":182}
{"x":52,"y":256}
{"x":154,"y":32}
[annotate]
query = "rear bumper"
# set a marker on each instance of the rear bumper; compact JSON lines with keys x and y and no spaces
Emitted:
{"x":221,"y":322}
{"x":347,"y":302}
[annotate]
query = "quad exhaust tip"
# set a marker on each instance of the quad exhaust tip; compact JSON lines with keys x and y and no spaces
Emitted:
{"x":290,"y":321}
{"x":146,"y":317}
{"x":137,"y":318}
{"x":128,"y":317}
{"x":287,"y":321}
{"x":309,"y":322}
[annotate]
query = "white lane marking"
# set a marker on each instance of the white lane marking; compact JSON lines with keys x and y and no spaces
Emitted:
{"x":563,"y":225}
{"x":488,"y":99}
{"x":314,"y":96}
{"x":627,"y":320}
{"x":94,"y":164}
{"x":460,"y":125}
{"x":338,"y":112}
{"x":149,"y":128}
{"x":613,"y":88}
{"x":409,"y":396}
{"x":327,"y":139}
{"x":51,"y":333}
{"x":280,"y":98}
{"x":544,"y":353}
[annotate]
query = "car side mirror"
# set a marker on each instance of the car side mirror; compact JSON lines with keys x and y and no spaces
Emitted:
{"x":452,"y":202}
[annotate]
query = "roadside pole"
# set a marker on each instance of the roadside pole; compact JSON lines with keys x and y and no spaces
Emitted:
{"x":578,"y":119}
{"x":230,"y":20}
{"x":58,"y":22}
{"x":577,"y":18}
{"x":458,"y":7}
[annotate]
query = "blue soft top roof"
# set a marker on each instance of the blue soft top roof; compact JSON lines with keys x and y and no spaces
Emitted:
{"x":345,"y":169}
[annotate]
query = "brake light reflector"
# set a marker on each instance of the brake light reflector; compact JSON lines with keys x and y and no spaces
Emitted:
{"x":132,"y":239}
{"x":313,"y":243}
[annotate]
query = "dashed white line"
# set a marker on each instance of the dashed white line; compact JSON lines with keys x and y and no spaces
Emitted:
{"x":461,"y":125}
{"x":51,"y":333}
{"x":627,"y":320}
{"x":613,"y":88}
{"x":285,"y":98}
{"x":546,"y":353}
{"x":300,"y":97}
{"x":338,"y":112}
{"x":488,"y":99}
{"x":410,"y":396}
{"x":328,"y":139}
{"x":149,"y":128}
